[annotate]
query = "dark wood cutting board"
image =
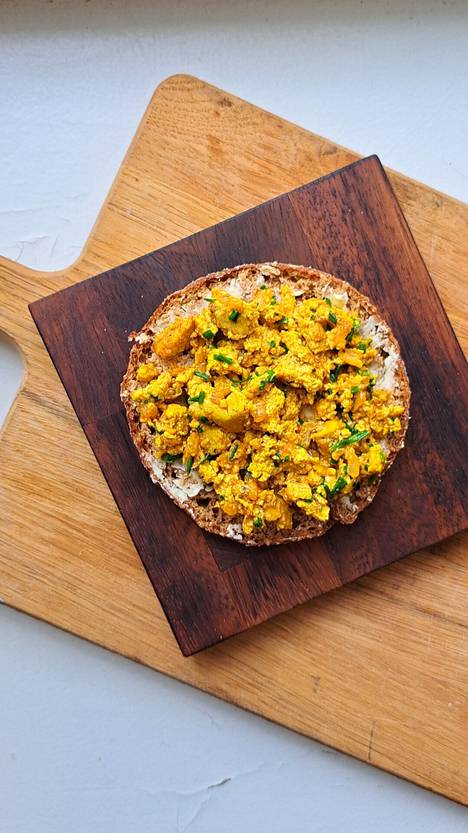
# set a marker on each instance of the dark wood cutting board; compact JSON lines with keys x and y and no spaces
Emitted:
{"x":350,"y":224}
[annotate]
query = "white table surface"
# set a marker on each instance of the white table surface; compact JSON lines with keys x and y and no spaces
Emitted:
{"x":90,"y":742}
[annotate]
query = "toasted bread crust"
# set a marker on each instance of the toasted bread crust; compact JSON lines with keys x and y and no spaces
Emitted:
{"x":196,"y":499}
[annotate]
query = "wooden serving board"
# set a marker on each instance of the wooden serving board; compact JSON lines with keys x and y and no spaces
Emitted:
{"x":378,"y":668}
{"x":350,"y":224}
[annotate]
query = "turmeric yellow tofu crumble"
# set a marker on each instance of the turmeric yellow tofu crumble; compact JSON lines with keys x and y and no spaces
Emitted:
{"x":273,"y":401}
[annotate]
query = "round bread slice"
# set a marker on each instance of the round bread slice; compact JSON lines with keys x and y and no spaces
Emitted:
{"x":188,"y":491}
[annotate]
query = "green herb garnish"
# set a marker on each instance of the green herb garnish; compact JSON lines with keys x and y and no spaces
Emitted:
{"x":210,"y":300}
{"x":169,"y":458}
{"x":233,"y":451}
{"x":354,"y":438}
{"x":220,"y":357}
{"x":328,"y":302}
{"x":209,"y":335}
{"x":272,"y":343}
{"x":202,"y":375}
{"x":362,"y":346}
{"x":203,"y":419}
{"x":356,"y":389}
{"x":336,"y":372}
{"x":354,"y":329}
{"x":188,"y":465}
{"x":258,"y":522}
{"x":269,"y":376}
{"x":200,"y":397}
{"x":263,"y":286}
{"x":274,"y":301}
{"x":338,"y":486}
{"x":332,"y":317}
{"x":371,"y":479}
{"x":233,"y":315}
{"x":284,"y":319}
{"x":208,"y":457}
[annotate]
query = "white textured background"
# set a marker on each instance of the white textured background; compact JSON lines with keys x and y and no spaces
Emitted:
{"x":89,"y":742}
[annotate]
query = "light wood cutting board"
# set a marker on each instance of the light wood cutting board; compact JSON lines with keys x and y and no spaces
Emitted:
{"x":378,"y":669}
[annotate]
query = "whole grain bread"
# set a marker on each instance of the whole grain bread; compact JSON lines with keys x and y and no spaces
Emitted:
{"x":188,"y":490}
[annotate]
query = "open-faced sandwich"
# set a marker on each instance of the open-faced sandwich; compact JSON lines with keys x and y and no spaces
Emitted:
{"x":267,"y":400}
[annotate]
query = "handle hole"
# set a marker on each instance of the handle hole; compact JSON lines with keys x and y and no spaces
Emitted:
{"x":12,"y":369}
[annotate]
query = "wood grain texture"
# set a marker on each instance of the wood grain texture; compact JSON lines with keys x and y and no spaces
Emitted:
{"x":348,"y":223}
{"x":378,"y":668}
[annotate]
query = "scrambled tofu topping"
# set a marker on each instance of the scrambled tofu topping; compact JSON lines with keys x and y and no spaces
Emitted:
{"x":271,"y":401}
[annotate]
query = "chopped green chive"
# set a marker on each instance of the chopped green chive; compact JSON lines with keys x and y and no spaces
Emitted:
{"x":338,"y":486}
{"x":169,"y":458}
{"x":362,"y":346}
{"x":354,"y":438}
{"x":203,"y":419}
{"x":208,"y":334}
{"x":269,"y":376}
{"x":233,"y":451}
{"x":284,"y":319}
{"x":202,"y":375}
{"x":354,"y":329}
{"x":300,"y":421}
{"x":371,"y":479}
{"x":274,"y":301}
{"x":263,"y":286}
{"x":208,"y":457}
{"x":200,"y":397}
{"x":277,"y":459}
{"x":199,"y":429}
{"x":332,"y":317}
{"x":285,"y":348}
{"x":328,"y":302}
{"x":383,"y":456}
{"x":272,"y":343}
{"x":258,"y":522}
{"x":336,"y":372}
{"x":210,"y":300}
{"x":188,"y":465}
{"x":233,"y":315}
{"x":355,"y":389}
{"x":220,"y":357}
